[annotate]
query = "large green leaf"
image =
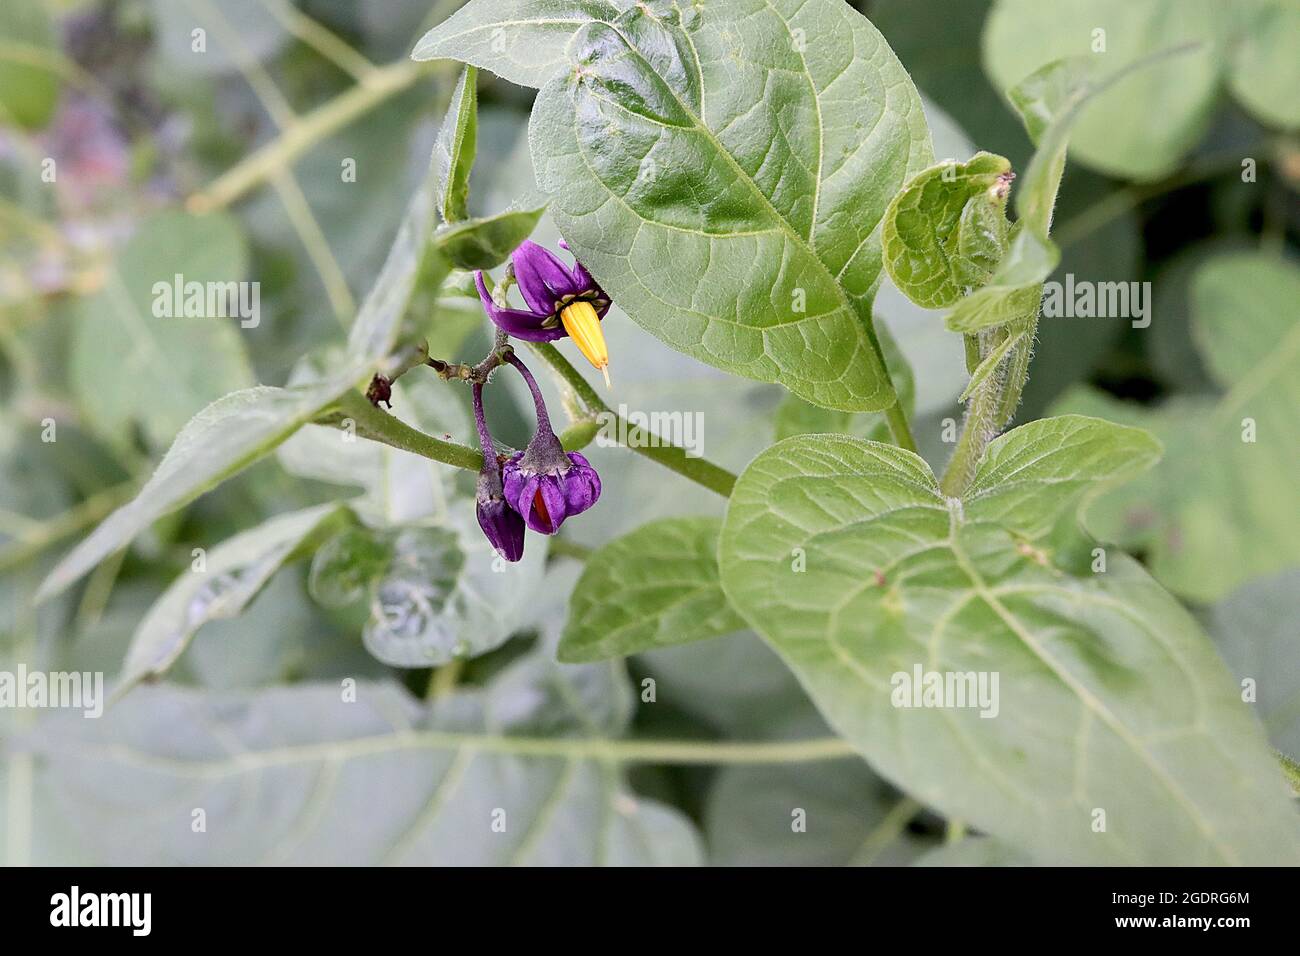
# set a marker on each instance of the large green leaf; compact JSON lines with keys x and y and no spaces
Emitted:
{"x":520,"y":40}
{"x":231,"y":575}
{"x":723,"y":173}
{"x":946,"y":231}
{"x":1110,"y":697}
{"x":295,"y":776}
{"x":1209,"y":517}
{"x":1142,"y":127}
{"x":655,"y":587}
{"x":29,"y":78}
{"x":138,"y":356}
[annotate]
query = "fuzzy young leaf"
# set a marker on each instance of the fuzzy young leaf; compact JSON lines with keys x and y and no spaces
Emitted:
{"x":655,"y":587}
{"x":723,"y":171}
{"x":220,"y":441}
{"x":1109,"y":696}
{"x":946,"y":230}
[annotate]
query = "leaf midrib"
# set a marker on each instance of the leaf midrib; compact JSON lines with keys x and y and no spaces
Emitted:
{"x":846,"y":303}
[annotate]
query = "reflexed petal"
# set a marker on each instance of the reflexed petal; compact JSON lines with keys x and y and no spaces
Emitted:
{"x":520,"y":324}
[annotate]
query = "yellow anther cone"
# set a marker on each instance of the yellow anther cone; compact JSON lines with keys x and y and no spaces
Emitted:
{"x":583,"y":325}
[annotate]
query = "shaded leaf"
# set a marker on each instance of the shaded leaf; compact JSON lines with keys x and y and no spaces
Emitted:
{"x":654,"y":587}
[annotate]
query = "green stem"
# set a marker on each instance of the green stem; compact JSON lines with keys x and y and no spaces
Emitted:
{"x":897,"y":419}
{"x":1017,"y":373}
{"x":699,"y":470}
{"x":978,"y":429}
{"x":378,"y":425}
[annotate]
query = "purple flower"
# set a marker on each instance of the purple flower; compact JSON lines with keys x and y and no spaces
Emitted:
{"x":544,"y":483}
{"x":501,"y":524}
{"x":562,"y":300}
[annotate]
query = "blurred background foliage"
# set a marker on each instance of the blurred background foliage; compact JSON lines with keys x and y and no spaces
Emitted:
{"x":228,"y":164}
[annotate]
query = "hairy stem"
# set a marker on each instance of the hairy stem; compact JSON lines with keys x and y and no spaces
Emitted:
{"x":980,"y":426}
{"x":699,"y":470}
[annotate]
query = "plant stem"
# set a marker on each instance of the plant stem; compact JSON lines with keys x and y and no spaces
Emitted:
{"x":378,"y":425}
{"x":699,"y":470}
{"x":902,"y":432}
{"x":80,"y":516}
{"x":322,"y":122}
{"x":979,"y":427}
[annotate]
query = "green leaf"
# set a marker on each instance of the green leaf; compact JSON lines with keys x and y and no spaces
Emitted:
{"x":453,"y":153}
{"x":852,"y":817}
{"x":946,"y":230}
{"x":1264,"y":71}
{"x":178,"y":351}
{"x":1254,"y":629}
{"x":1033,"y":474}
{"x":232,"y":574}
{"x":1110,"y":697}
{"x":723,"y":173}
{"x":313,"y":760}
{"x":522,"y":41}
{"x":1141,"y":128}
{"x":655,"y":587}
{"x":794,"y":416}
{"x":220,"y":441}
{"x":486,"y":242}
{"x":29,"y":76}
{"x":1209,"y":517}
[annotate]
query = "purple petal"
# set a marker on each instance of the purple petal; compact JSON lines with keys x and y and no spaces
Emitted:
{"x":552,"y":495}
{"x":520,"y":324}
{"x":503,"y":527}
{"x":581,"y":486}
{"x":543,"y":277}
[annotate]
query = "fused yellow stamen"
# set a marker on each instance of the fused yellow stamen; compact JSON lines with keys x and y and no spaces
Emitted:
{"x":583,"y":325}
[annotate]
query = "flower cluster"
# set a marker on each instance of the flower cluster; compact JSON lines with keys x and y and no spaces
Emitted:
{"x":543,"y":485}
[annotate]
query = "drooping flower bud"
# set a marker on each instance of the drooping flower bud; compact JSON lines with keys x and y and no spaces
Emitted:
{"x":501,"y":524}
{"x":544,"y":483}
